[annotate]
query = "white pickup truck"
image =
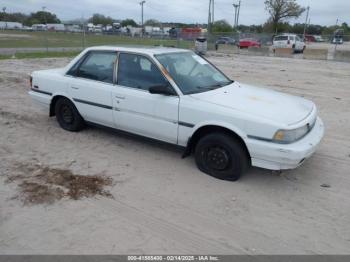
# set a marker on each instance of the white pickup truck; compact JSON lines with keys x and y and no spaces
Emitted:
{"x":289,"y":41}
{"x":178,"y":97}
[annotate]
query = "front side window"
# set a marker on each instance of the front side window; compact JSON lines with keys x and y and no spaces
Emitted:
{"x":139,"y":72}
{"x":192,"y":73}
{"x":98,"y":66}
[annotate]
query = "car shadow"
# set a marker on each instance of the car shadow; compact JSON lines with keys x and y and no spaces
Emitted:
{"x":135,"y":138}
{"x":253,"y":176}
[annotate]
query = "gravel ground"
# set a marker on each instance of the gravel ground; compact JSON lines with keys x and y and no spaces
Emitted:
{"x":159,"y":203}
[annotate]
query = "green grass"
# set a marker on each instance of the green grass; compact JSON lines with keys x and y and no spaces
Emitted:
{"x":40,"y":55}
{"x":53,"y":39}
{"x":20,"y":39}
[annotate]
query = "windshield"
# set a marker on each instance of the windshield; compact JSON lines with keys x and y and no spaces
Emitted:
{"x":281,"y":38}
{"x":192,"y":73}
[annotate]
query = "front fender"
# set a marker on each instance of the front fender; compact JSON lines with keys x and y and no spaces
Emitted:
{"x":188,"y":136}
{"x":222,"y":124}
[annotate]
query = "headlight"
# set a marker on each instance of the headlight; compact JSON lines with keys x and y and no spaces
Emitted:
{"x":289,"y":136}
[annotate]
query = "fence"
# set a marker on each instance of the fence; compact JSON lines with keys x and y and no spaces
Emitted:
{"x":15,"y":42}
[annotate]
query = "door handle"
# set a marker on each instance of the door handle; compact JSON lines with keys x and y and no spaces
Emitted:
{"x":74,"y":87}
{"x":120,"y":97}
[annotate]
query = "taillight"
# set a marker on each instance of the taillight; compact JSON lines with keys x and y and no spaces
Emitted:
{"x":31,"y":81}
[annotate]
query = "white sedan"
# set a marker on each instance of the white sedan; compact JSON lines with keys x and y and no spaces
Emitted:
{"x":178,"y":97}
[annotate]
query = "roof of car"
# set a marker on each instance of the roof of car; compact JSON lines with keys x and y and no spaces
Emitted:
{"x":140,"y":49}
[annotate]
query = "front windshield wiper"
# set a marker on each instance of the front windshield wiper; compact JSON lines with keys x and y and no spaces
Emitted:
{"x":201,"y":89}
{"x":216,"y":86}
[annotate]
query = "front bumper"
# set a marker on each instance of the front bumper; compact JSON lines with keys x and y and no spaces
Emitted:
{"x":40,"y":99}
{"x":275,"y":156}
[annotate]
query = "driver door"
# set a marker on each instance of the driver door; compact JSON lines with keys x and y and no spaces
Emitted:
{"x":138,"y":111}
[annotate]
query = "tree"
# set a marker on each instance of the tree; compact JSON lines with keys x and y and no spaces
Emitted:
{"x":280,"y":10}
{"x":222,"y":26}
{"x":99,"y":19}
{"x":13,"y":17}
{"x":127,"y":22}
{"x":152,"y":22}
{"x":251,"y":29}
{"x":42,"y":17}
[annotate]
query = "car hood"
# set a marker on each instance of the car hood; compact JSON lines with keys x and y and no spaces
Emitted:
{"x":275,"y":106}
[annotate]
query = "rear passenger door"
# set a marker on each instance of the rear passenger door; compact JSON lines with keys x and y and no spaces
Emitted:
{"x":91,"y":86}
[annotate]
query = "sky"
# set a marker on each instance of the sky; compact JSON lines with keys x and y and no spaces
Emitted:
{"x":322,"y":12}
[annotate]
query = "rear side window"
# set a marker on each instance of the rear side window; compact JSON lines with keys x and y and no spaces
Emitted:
{"x":98,"y":66}
{"x":281,"y":38}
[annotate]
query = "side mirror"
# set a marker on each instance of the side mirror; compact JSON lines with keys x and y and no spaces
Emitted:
{"x":162,"y":90}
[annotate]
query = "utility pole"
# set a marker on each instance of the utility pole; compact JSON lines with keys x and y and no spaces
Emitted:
{"x":239,"y":33}
{"x":210,"y":15}
{"x":334,"y":36}
{"x":83,"y":31}
{"x":142,"y":3}
{"x":213,"y":11}
{"x":4,"y":10}
{"x":307,"y":18}
{"x":235,"y":6}
{"x":239,"y":9}
{"x":46,"y":40}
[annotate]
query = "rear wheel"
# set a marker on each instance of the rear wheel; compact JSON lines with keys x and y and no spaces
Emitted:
{"x":222,"y":156}
{"x":68,"y":116}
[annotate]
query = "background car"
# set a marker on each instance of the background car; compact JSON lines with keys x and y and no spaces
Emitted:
{"x":289,"y":41}
{"x":338,"y":40}
{"x":319,"y":38}
{"x":246,"y":43}
{"x":310,"y":38}
{"x":225,"y":41}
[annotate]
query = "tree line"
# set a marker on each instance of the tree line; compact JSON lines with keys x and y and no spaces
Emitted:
{"x":40,"y":17}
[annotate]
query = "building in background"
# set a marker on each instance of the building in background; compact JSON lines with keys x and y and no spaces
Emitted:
{"x":56,"y":27}
{"x":10,"y":25}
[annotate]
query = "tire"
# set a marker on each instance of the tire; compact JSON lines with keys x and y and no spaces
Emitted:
{"x":68,"y":116}
{"x":221,"y":156}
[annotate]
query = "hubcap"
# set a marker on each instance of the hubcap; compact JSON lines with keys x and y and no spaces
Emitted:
{"x":67,"y":114}
{"x":217,"y":158}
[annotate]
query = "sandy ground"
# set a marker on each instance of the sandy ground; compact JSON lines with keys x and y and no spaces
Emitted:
{"x":161,"y":203}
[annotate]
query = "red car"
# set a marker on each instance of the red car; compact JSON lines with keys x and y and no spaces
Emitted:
{"x":310,"y":38}
{"x":246,"y":43}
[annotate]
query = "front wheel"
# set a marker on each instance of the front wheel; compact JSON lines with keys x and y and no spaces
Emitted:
{"x":222,"y":156}
{"x":68,"y":116}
